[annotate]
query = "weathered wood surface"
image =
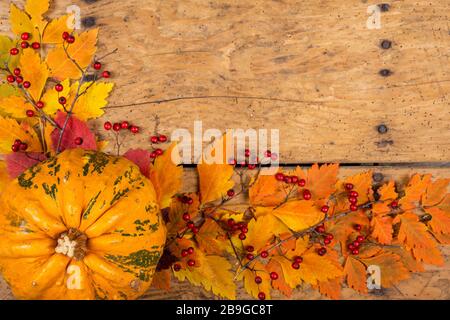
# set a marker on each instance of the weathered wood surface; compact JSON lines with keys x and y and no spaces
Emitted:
{"x":307,"y":68}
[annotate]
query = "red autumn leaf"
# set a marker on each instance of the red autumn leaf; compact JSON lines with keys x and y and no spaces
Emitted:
{"x":75,"y":129}
{"x":141,"y":158}
{"x":17,"y":163}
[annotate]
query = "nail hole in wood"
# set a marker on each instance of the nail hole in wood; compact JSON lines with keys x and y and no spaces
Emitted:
{"x":386,"y":44}
{"x":88,"y":22}
{"x":385,"y":72}
{"x":384,"y":7}
{"x":382,"y":128}
{"x":90,"y":1}
{"x":377,"y":177}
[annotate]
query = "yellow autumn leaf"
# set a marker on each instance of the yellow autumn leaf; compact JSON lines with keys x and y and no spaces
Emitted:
{"x":4,"y":179}
{"x":36,"y":10}
{"x":267,"y":191}
{"x":355,"y":272}
{"x":82,"y":51}
{"x":213,"y":274}
{"x":215,"y":181}
{"x":248,"y":276}
{"x":5,"y":45}
{"x":21,"y":22}
{"x":298,"y":214}
{"x":10,"y":130}
{"x":166,"y":175}
{"x":51,"y":96}
{"x":55,"y":28}
{"x":35,"y":71}
{"x":92,"y":99}
{"x":262,"y":229}
{"x":211,"y":238}
{"x":14,"y":106}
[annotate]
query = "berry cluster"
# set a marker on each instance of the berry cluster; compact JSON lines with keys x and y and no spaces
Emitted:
{"x":352,"y":196}
{"x":355,"y":244}
{"x":251,"y":162}
{"x":240,"y":227}
{"x":294,"y":180}
{"x":24,"y":44}
{"x":184,"y":254}
{"x":186,"y":216}
{"x":326,"y":237}
{"x":124,"y":125}
{"x":18,"y":145}
{"x":97,"y":66}
{"x":15,"y":76}
{"x":158,"y":139}
{"x":296,"y":261}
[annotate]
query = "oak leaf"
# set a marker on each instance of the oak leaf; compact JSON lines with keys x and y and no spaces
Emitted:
{"x":35,"y":71}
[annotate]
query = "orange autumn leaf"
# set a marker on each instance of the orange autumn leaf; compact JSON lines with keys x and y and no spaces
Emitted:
{"x":161,"y":280}
{"x":355,"y":273}
{"x":414,"y":235}
{"x":436,"y":191}
{"x":439,"y":223}
{"x":382,"y":229}
{"x":362,"y":183}
{"x":416,"y":187}
{"x":343,"y":227}
{"x":262,"y":229}
{"x":176,"y":211}
{"x":267,"y":191}
{"x":391,"y":267}
{"x":331,"y":288}
{"x":407,"y":258}
{"x":215,"y":181}
{"x":387,"y":191}
{"x":166,"y":175}
{"x":35,"y":71}
{"x":248,"y":277}
{"x":280,"y":283}
{"x":211,"y":238}
{"x":298,"y":214}
{"x":55,"y":29}
{"x":321,"y":181}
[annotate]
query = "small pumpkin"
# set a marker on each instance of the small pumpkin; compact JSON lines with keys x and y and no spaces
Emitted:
{"x":81,"y":225}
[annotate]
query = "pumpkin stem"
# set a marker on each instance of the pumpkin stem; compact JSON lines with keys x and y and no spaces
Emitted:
{"x":72,"y":243}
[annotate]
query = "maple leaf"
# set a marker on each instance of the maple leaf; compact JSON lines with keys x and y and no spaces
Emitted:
{"x":18,"y":162}
{"x":391,"y":267}
{"x":248,"y":277}
{"x":262,"y":229}
{"x":279,"y":283}
{"x":436,"y":191}
{"x":82,"y":51}
{"x":4,"y":178}
{"x":141,"y":158}
{"x":414,"y":235}
{"x":321,"y":181}
{"x":355,"y":273}
{"x":213,"y":274}
{"x":14,"y":106}
{"x":10,"y":130}
{"x":215,"y":181}
{"x":34,"y":71}
{"x":166,"y":175}
{"x":416,"y":187}
{"x":75,"y":129}
{"x":387,"y":191}
{"x":267,"y":191}
{"x":55,"y":28}
{"x":298,"y":214}
{"x":91,"y":100}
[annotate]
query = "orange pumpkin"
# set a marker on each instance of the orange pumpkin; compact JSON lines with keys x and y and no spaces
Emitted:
{"x":81,"y":225}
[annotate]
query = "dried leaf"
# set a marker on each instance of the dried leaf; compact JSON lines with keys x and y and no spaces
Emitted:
{"x":436,"y":191}
{"x":391,"y":267}
{"x":382,"y":229}
{"x":331,"y":288}
{"x":355,"y":272}
{"x":34,"y":71}
{"x":262,"y":229}
{"x":439,"y":223}
{"x":161,"y":280}
{"x":298,"y":214}
{"x":211,"y":238}
{"x":414,"y":190}
{"x":280,"y":283}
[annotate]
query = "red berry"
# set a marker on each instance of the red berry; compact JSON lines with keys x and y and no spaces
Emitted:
{"x":106,"y":74}
{"x":294,"y":179}
{"x":62,"y":100}
{"x":10,"y":78}
{"x":251,"y":166}
{"x":360,"y":238}
{"x":116,"y":126}
{"x":232,"y":162}
{"x":26,"y":84}
{"x":230,"y":193}
{"x":306,"y":194}
{"x":230,"y":222}
{"x":124,"y":125}
{"x":357,"y":227}
{"x":242,"y":236}
{"x":247,"y":153}
{"x":59,"y":87}
{"x":325,"y":209}
{"x":17,"y":142}
{"x":190,"y":225}
{"x":176,"y":267}
{"x":353,"y":207}
{"x":23,"y":146}
{"x":329,"y":236}
{"x":78,"y":141}
{"x":107,"y":125}
{"x":35,"y":45}
{"x":352,"y":200}
{"x":97,"y":65}
{"x":322,"y":251}
{"x":70,"y":39}
{"x":301,"y":182}
{"x":273,"y":275}
{"x":160,"y":152}
{"x":351,"y":246}
{"x":353,"y":194}
{"x":258,"y":279}
{"x":14,"y":51}
{"x":326,"y":241}
{"x":24,"y":44}
{"x":250,"y":248}
{"x":25,"y":36}
{"x":65,"y":35}
{"x":162,"y":138}
{"x":134,"y":129}
{"x":154,"y":139}
{"x":261,"y":296}
{"x":191,"y":263}
{"x":184,"y":253}
{"x":264,"y":254}
{"x":295,"y":265}
{"x":40,"y":104}
{"x":355,"y":251}
{"x":298,"y":260}
{"x":16,"y":71}
{"x":190,"y":250}
{"x":267,"y":154}
{"x":244,"y":229}
{"x":195,"y":230}
{"x":15,"y":148}
{"x":320,"y":229}
{"x":30,"y":113}
{"x":153,"y":155}
{"x":250,"y":256}
{"x":287,"y":179}
{"x":19,"y":79}
{"x":394,"y":204}
{"x":186,"y":217}
{"x":279,"y":176}
{"x":348,"y":186}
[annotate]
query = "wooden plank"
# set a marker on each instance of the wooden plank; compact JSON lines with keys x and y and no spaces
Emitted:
{"x":309,"y":69}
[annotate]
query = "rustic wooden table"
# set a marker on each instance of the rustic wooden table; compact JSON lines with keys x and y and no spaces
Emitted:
{"x":314,"y":70}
